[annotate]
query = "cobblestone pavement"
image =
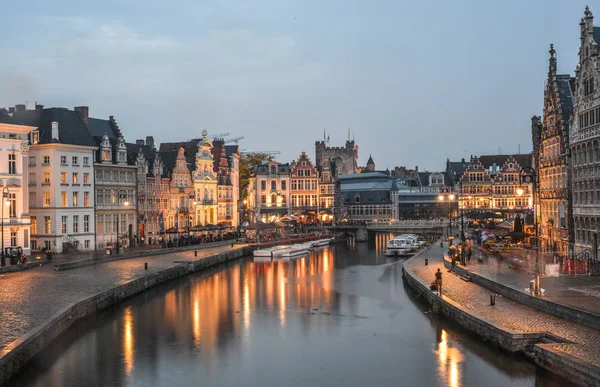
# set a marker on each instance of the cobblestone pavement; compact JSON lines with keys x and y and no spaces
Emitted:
{"x":31,"y":296}
{"x":578,"y":291}
{"x":508,"y":313}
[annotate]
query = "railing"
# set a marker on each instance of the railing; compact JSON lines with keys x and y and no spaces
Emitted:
{"x":583,"y":262}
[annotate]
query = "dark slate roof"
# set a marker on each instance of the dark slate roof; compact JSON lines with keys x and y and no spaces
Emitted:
{"x":367,"y":197}
{"x":6,"y":118}
{"x":597,"y":35}
{"x":168,"y":158}
{"x":71,"y":127}
{"x":424,"y":178}
{"x":190,"y":148}
{"x":364,"y":175}
{"x":264,"y":168}
{"x":524,"y":160}
{"x":133,"y":149}
{"x":370,"y":161}
{"x":565,"y":94}
{"x":98,"y":127}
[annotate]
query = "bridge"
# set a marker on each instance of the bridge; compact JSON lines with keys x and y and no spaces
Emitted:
{"x":361,"y":230}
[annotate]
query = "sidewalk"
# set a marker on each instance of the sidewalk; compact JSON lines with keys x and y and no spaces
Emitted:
{"x":30,"y":297}
{"x":585,"y":342}
{"x":577,"y":291}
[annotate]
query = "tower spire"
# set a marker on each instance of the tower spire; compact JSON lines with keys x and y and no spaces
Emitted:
{"x":552,"y":64}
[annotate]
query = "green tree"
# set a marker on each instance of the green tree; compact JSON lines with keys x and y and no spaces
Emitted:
{"x":247,"y":161}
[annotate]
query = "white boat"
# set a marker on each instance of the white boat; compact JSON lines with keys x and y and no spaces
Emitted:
{"x":321,"y":242}
{"x":270,"y":251}
{"x":399,"y":246}
{"x":294,"y":250}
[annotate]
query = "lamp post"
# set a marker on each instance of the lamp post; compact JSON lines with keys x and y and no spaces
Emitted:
{"x":527,"y":175}
{"x":451,"y":197}
{"x":7,"y":203}
{"x":126,"y":204}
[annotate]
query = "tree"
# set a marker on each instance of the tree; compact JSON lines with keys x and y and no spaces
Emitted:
{"x":247,"y":162}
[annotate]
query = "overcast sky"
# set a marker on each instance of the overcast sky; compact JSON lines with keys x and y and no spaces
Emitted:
{"x":415,"y":81}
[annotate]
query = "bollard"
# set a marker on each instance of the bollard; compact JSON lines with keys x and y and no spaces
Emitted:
{"x":492,"y":299}
{"x":426,"y":261}
{"x":145,"y":265}
{"x":195,"y":253}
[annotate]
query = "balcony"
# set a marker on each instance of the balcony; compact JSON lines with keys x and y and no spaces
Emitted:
{"x":208,"y":202}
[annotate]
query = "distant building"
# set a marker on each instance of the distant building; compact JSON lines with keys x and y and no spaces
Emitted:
{"x":366,"y":196}
{"x":418,"y":197}
{"x":343,"y":160}
{"x":205,"y":184}
{"x":304,"y":183}
{"x":455,"y":170}
{"x":403,"y":173}
{"x":326,"y":187}
{"x":269,"y":192}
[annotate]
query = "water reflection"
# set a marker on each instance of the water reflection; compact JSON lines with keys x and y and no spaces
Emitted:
{"x":337,"y":316}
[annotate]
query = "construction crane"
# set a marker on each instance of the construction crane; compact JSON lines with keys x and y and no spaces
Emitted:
{"x":269,"y":153}
{"x":235,"y":139}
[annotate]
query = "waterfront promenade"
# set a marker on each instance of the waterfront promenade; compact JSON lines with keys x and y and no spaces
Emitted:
{"x":30,"y":297}
{"x":573,"y":341}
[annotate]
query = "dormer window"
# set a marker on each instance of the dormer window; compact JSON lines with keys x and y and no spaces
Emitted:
{"x":106,"y":155}
{"x":273,"y":170}
{"x":35,"y":137}
{"x":357,"y":198}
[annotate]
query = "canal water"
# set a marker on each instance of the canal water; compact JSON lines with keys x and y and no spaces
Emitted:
{"x":340,"y":316}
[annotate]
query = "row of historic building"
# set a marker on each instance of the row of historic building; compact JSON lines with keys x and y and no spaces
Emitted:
{"x":72,"y":182}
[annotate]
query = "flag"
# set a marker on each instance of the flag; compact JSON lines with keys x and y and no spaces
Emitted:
{"x":161,"y":223}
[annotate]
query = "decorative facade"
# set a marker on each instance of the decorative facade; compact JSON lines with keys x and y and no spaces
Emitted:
{"x":326,"y":187}
{"x":552,"y":160}
{"x":304,"y":187}
{"x":584,"y":139}
{"x":269,"y":192}
{"x":182,"y":211}
{"x":490,"y":183}
{"x":16,"y":177}
{"x":205,"y":184}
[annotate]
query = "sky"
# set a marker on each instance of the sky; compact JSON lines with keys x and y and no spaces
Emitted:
{"x":416,"y":82}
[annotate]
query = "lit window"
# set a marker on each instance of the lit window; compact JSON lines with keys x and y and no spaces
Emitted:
{"x":47,"y":228}
{"x":63,"y":199}
{"x":75,"y":178}
{"x":63,"y":177}
{"x":46,"y":199}
{"x":75,"y":199}
{"x":63,"y":224}
{"x":86,"y":199}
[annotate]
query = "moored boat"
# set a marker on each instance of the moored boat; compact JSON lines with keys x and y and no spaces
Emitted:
{"x":270,"y":251}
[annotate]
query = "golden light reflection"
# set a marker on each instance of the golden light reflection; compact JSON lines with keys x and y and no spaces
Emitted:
{"x":282,"y":301}
{"x":246,"y":306}
{"x":449,"y":359}
{"x":197,"y":329}
{"x":128,"y":341}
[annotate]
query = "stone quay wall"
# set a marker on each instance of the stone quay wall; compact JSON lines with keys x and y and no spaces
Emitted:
{"x":20,"y":351}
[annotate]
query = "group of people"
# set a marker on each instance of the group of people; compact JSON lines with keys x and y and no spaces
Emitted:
{"x":461,"y":252}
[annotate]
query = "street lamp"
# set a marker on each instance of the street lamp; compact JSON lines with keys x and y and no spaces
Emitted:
{"x":126,"y":204}
{"x":7,"y":203}
{"x":527,"y":175}
{"x":451,"y":197}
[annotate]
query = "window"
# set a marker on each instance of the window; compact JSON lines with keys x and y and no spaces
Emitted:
{"x":63,"y":224}
{"x":263,"y":199}
{"x":283,"y":185}
{"x":273,"y":185}
{"x":86,"y":224}
{"x":32,"y":178}
{"x":63,"y":178}
{"x":273,"y":170}
{"x":26,"y":238}
{"x":75,"y":199}
{"x":75,"y":160}
{"x":33,"y":225}
{"x":75,"y":223}
{"x":35,"y":137}
{"x":106,"y":155}
{"x":75,"y":178}
{"x":13,"y":238}
{"x":46,"y":199}
{"x":32,"y":161}
{"x":47,"y":229}
{"x":63,"y":160}
{"x":46,"y":160}
{"x":63,"y":199}
{"x":86,"y":244}
{"x":46,"y":177}
{"x":86,"y":199}
{"x":86,"y":178}
{"x":86,"y":162}
{"x":12,"y":164}
{"x":12,"y":198}
{"x":47,"y":245}
{"x":263,"y":185}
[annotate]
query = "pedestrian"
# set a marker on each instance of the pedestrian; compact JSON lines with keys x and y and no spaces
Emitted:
{"x":453,"y":263}
{"x":469,"y":253}
{"x":438,"y":280}
{"x":442,"y":243}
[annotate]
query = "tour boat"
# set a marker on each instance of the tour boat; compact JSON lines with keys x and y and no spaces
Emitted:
{"x":400,"y":245}
{"x":298,"y":249}
{"x":270,"y":251}
{"x":321,"y":242}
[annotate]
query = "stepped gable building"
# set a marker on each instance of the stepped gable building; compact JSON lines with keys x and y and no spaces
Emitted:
{"x":153,"y":189}
{"x":115,"y":184}
{"x":584,"y":139}
{"x":552,"y":160}
{"x":304,"y":188}
{"x":14,"y":136}
{"x":61,"y":169}
{"x":490,"y":183}
{"x":343,"y":160}
{"x":454,"y":171}
{"x":205,"y":184}
{"x":326,"y":188}
{"x":269,"y":192}
{"x":180,"y":215}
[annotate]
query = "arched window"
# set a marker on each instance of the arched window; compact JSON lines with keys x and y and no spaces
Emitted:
{"x":273,"y":170}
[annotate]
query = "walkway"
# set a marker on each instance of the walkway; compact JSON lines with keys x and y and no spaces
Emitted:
{"x":508,"y":313}
{"x":29,"y":297}
{"x":578,"y":291}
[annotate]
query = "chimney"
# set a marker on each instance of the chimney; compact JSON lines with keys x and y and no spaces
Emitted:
{"x":20,"y":108}
{"x":139,"y":142}
{"x":39,"y":106}
{"x":84,"y":112}
{"x":11,"y":109}
{"x":150,"y":141}
{"x":55,"y":130}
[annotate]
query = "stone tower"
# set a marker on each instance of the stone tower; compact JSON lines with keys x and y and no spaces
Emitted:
{"x":343,"y":159}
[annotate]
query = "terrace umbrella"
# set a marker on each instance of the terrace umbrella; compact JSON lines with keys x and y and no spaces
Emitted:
{"x":473,"y":215}
{"x":516,"y":235}
{"x":172,"y":230}
{"x":197,"y":228}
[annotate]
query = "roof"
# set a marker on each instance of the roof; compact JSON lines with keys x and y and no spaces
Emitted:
{"x":524,"y":160}
{"x":98,"y":127}
{"x":424,"y":178}
{"x":190,"y":148}
{"x":597,"y":35}
{"x":6,"y":118}
{"x":367,"y":186}
{"x":264,"y":168}
{"x":370,"y":161}
{"x":72,"y":129}
{"x":169,"y":159}
{"x":367,"y":197}
{"x":364,"y":175}
{"x":565,"y":95}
